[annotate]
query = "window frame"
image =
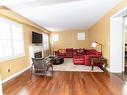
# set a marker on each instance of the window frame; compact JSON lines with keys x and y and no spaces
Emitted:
{"x":55,"y":38}
{"x":45,"y":43}
{"x":81,"y":36}
{"x":13,"y":56}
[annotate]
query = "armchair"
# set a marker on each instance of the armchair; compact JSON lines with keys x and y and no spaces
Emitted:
{"x":41,"y":66}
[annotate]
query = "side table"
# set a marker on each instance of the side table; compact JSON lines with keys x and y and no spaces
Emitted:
{"x":101,"y":62}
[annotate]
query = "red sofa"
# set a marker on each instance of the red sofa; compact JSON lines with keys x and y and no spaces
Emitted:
{"x":69,"y":52}
{"x":80,"y":56}
{"x":79,"y":60}
{"x":65,"y":53}
{"x":85,"y":58}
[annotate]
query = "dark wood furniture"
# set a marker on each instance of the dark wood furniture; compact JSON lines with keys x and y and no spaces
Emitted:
{"x":101,"y":62}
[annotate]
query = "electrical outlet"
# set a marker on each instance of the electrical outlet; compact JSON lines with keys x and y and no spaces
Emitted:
{"x":8,"y":70}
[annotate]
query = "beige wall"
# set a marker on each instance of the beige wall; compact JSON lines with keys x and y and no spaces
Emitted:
{"x":19,"y":64}
{"x":68,"y":39}
{"x":98,"y":32}
{"x":101,"y":30}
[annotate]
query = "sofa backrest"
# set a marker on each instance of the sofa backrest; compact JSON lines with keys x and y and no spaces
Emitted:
{"x":62,"y":51}
{"x":92,"y":51}
{"x":69,"y":49}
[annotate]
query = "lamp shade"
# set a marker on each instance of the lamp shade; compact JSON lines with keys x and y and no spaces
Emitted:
{"x":94,"y":45}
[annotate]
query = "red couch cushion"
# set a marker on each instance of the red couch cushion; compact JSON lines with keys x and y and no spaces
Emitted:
{"x":69,"y":49}
{"x":92,"y":51}
{"x":79,"y":60}
{"x":62,"y":51}
{"x":81,"y":51}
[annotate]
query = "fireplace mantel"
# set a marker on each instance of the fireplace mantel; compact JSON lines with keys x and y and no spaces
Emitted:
{"x":34,"y":49}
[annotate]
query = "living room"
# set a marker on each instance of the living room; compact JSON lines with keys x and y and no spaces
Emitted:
{"x":65,"y":27}
{"x":75,"y":49}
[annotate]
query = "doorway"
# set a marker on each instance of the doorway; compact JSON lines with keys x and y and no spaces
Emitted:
{"x":118,"y":44}
{"x":125,"y":36}
{"x":123,"y":75}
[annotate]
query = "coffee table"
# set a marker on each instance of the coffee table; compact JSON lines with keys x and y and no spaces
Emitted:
{"x":56,"y":60}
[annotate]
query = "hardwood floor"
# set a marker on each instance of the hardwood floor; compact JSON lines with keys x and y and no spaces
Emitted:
{"x":67,"y":83}
{"x":123,"y":75}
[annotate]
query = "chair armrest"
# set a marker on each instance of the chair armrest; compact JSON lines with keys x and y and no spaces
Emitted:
{"x":38,"y":58}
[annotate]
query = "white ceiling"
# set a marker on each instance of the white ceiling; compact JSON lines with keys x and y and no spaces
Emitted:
{"x":59,"y":15}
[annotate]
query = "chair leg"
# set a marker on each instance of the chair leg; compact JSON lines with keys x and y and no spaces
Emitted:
{"x":52,"y":70}
{"x":31,"y":73}
{"x":45,"y":75}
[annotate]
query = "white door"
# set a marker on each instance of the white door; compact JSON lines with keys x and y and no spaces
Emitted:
{"x":116,"y":44}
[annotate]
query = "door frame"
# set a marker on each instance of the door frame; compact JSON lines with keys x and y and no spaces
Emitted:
{"x":117,"y":42}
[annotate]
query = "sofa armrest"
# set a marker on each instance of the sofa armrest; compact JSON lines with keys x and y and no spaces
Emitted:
{"x":89,"y":56}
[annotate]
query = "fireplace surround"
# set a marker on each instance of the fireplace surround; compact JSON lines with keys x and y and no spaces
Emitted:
{"x":38,"y":54}
{"x":35,"y":51}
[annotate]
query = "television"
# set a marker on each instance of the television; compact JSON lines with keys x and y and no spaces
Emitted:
{"x":36,"y":37}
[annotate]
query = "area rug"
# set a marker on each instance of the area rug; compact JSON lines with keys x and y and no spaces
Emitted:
{"x":68,"y":65}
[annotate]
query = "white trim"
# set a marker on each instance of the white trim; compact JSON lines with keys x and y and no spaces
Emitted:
{"x":113,"y":71}
{"x":120,"y":27}
{"x":121,"y":11}
{"x":116,"y":45}
{"x":13,"y":76}
{"x":45,"y":41}
{"x":123,"y":44}
{"x":1,"y":90}
{"x":12,"y":58}
{"x":108,"y":69}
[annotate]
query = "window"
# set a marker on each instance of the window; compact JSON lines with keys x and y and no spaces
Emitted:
{"x":45,"y":41}
{"x":11,"y":40}
{"x":55,"y":37}
{"x":81,"y":36}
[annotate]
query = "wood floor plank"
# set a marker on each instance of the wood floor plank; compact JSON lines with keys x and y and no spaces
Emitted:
{"x":66,"y":83}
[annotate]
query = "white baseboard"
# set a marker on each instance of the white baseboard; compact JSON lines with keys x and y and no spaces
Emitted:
{"x":12,"y":76}
{"x":108,"y":69}
{"x":113,"y":71}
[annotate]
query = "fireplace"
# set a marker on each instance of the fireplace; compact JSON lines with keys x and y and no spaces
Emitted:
{"x":38,"y":54}
{"x":35,"y":52}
